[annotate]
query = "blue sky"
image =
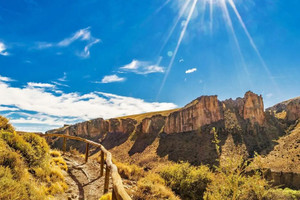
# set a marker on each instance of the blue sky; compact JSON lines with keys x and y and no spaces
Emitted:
{"x":64,"y":61}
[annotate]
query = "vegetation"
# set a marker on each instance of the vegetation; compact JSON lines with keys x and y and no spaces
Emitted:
{"x":27,"y":169}
{"x":107,"y":196}
{"x":153,"y":187}
{"x":140,"y":117}
{"x":189,"y":182}
{"x":129,"y":171}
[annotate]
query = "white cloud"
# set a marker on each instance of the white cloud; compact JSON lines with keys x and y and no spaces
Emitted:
{"x":82,"y":35}
{"x":3,"y":51}
{"x":40,"y":85}
{"x":56,"y":109}
{"x":190,"y":70}
{"x":112,"y":78}
{"x":5,"y":79}
{"x":142,"y":67}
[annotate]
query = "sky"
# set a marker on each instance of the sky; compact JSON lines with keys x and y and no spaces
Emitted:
{"x":63,"y":62}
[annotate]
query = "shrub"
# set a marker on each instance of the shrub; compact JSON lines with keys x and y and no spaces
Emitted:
{"x":189,"y":182}
{"x":26,"y":169}
{"x":33,"y":155}
{"x":5,"y":125}
{"x":283,"y":194}
{"x":128,"y":171}
{"x":107,"y":196}
{"x":9,"y":187}
{"x":231,"y":182}
{"x":153,"y":187}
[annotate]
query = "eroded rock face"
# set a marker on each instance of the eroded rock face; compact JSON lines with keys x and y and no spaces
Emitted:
{"x":288,"y":110}
{"x":293,"y":110}
{"x":254,"y":108}
{"x":202,"y":111}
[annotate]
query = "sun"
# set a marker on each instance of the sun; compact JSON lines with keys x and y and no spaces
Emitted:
{"x":186,"y":10}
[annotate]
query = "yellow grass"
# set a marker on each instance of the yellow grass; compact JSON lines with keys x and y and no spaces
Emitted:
{"x":140,"y":117}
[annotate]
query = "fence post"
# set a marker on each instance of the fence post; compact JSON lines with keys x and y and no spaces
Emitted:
{"x":87,"y":152}
{"x":106,"y":182}
{"x":102,"y":164}
{"x":64,"y":145}
{"x":114,"y":197}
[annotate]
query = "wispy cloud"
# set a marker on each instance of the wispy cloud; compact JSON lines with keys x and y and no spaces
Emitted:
{"x":54,"y":109}
{"x":64,"y":78}
{"x":142,"y":67}
{"x":3,"y":51}
{"x":81,"y":35}
{"x":112,"y":78}
{"x":190,"y":70}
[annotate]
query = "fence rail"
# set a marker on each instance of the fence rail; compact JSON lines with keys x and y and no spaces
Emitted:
{"x":118,"y":192}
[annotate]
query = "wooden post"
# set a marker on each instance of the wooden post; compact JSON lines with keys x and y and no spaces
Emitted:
{"x":64,"y":145}
{"x":102,"y":164}
{"x":106,"y":182}
{"x":87,"y":152}
{"x":114,"y":197}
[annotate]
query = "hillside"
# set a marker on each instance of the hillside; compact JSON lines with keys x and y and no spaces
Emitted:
{"x":186,"y":134}
{"x":27,"y":168}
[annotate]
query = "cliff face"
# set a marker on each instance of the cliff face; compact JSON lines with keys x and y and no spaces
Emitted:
{"x":202,"y":111}
{"x":254,"y":108}
{"x":288,"y":111}
{"x":189,"y":127}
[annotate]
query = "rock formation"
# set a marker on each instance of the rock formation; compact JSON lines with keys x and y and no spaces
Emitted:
{"x":186,"y":133}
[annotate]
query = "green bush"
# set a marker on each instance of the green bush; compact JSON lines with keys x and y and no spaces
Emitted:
{"x":188,"y":181}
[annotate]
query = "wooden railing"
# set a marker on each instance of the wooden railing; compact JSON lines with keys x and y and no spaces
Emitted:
{"x":118,"y":192}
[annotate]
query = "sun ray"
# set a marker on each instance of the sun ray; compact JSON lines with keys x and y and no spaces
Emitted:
{"x":178,"y":44}
{"x":229,"y":23}
{"x":182,"y":10}
{"x":211,"y":12}
{"x":232,"y":4}
{"x":162,"y":6}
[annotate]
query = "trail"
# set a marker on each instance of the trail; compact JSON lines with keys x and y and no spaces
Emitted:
{"x":83,"y":179}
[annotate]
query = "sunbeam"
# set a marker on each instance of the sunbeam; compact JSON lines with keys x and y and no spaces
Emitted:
{"x":182,"y":10}
{"x":232,"y":4}
{"x":230,"y":25}
{"x":178,"y":44}
{"x":211,"y":12}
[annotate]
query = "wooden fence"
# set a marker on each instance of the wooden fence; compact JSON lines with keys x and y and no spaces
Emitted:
{"x":118,"y":192}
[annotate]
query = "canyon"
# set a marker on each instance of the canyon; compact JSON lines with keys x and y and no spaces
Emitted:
{"x":187,"y":134}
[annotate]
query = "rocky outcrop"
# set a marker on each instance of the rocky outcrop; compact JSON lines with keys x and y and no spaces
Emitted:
{"x":202,"y":111}
{"x":288,"y":110}
{"x":254,"y":108}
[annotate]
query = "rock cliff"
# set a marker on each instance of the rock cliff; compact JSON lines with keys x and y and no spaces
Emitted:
{"x":185,"y":134}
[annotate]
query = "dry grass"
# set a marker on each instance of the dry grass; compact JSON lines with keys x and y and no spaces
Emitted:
{"x":140,"y":117}
{"x":153,"y":187}
{"x":27,"y":171}
{"x":129,"y":171}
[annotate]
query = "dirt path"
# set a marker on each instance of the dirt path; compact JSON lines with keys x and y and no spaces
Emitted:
{"x":83,"y":179}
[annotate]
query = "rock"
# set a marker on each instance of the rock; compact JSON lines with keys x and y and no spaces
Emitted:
{"x":202,"y":111}
{"x":254,"y":108}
